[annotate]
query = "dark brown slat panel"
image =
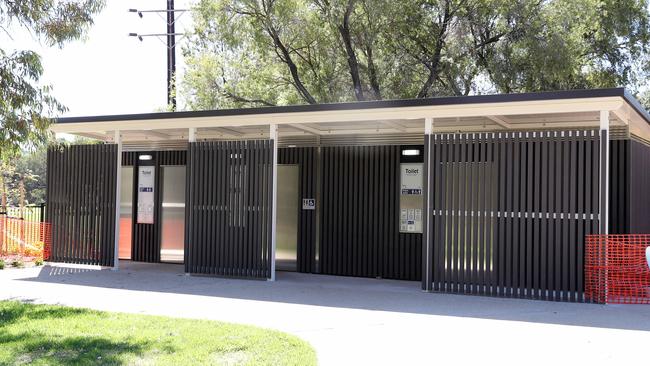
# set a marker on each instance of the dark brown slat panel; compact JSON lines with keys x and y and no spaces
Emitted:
{"x":638,"y":213}
{"x":166,"y":157}
{"x":359,"y":223}
{"x":626,"y":172}
{"x":81,"y":203}
{"x":229,"y":208}
{"x":518,"y":209}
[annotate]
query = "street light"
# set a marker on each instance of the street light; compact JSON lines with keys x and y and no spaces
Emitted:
{"x":136,"y":11}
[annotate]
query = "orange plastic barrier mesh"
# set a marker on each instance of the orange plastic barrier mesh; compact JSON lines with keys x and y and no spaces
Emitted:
{"x":24,"y":238}
{"x":616,"y":269}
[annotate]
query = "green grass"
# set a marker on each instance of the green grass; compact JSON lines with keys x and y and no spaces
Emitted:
{"x":57,"y":335}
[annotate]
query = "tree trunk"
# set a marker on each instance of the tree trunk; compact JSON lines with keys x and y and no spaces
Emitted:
{"x":293,"y":69}
{"x":372,"y":73}
{"x":434,"y":62}
{"x":353,"y":63}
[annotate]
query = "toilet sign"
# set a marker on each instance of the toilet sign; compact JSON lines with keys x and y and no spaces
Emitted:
{"x":146,"y":179}
{"x":308,"y":204}
{"x":411,"y":178}
{"x":410,"y":200}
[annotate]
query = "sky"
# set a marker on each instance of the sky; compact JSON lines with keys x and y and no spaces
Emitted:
{"x":109,"y":72}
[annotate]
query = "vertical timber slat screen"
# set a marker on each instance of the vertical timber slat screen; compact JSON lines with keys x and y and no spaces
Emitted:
{"x":360,"y":206}
{"x":510,"y":212}
{"x":639,"y":180}
{"x":621,"y":186}
{"x":81,"y":203}
{"x":228,"y":230}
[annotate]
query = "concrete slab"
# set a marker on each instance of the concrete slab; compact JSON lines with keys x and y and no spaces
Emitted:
{"x":352,"y":321}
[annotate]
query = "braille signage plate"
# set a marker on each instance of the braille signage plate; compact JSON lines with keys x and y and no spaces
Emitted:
{"x":308,"y":203}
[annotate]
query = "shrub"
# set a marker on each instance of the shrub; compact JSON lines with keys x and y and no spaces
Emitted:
{"x":17,"y":263}
{"x":35,"y":250}
{"x":38,"y":261}
{"x":2,"y":264}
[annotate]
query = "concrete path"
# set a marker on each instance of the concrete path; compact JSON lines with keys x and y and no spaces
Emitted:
{"x":355,"y":321}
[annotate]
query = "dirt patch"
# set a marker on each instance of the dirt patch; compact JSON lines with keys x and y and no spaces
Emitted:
{"x":232,"y":358}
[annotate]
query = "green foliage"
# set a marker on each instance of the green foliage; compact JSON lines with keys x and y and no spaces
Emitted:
{"x":279,"y":52}
{"x":25,"y":105}
{"x":644,"y":98}
{"x":57,"y":335}
{"x":2,"y":264}
{"x":38,"y":262}
{"x":27,"y":169}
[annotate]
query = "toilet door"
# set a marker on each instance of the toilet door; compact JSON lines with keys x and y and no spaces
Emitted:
{"x":126,"y":213}
{"x":172,"y":238}
{"x":286,"y":250}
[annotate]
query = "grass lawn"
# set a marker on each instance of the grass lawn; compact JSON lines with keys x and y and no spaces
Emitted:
{"x":58,"y":335}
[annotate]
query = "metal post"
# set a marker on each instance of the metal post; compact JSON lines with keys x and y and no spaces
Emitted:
{"x":604,"y":173}
{"x":427,"y":245}
{"x":191,"y":136}
{"x":118,"y":181}
{"x":318,"y":212}
{"x":273,"y":135}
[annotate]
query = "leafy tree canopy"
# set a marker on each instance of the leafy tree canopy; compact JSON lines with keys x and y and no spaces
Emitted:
{"x":25,"y":104}
{"x":276,"y":52}
{"x":27,"y":170}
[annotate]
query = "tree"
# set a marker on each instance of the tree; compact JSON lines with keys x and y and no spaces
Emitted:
{"x":269,"y":52}
{"x":25,"y":105}
{"x":25,"y":175}
{"x":573,"y":44}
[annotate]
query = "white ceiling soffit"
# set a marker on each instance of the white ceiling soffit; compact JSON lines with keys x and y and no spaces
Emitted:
{"x":509,"y":109}
{"x":444,"y":125}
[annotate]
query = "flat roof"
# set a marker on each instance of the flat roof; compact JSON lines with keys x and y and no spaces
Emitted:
{"x":556,"y":110}
{"x":367,"y":105}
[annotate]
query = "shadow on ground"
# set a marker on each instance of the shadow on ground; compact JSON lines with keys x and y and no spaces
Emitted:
{"x":70,"y":350}
{"x":347,"y":292}
{"x":25,"y":346}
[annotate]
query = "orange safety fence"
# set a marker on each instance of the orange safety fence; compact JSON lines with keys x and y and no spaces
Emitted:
{"x":617,"y":269}
{"x":24,"y":238}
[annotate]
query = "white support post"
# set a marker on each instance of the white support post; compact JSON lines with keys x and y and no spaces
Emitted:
{"x":427,"y":280}
{"x":191,"y":135}
{"x":118,"y":192}
{"x":273,"y":135}
{"x":604,"y":173}
{"x":428,"y":126}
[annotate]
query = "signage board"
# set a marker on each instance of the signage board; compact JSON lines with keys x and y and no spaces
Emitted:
{"x":146,"y":201}
{"x":308,"y":204}
{"x":411,"y":199}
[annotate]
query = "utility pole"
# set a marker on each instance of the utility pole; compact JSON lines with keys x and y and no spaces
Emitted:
{"x":171,"y":55}
{"x":170,"y":42}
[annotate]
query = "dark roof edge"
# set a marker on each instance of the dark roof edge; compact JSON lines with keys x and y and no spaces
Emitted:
{"x":640,"y":109}
{"x":456,"y":100}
